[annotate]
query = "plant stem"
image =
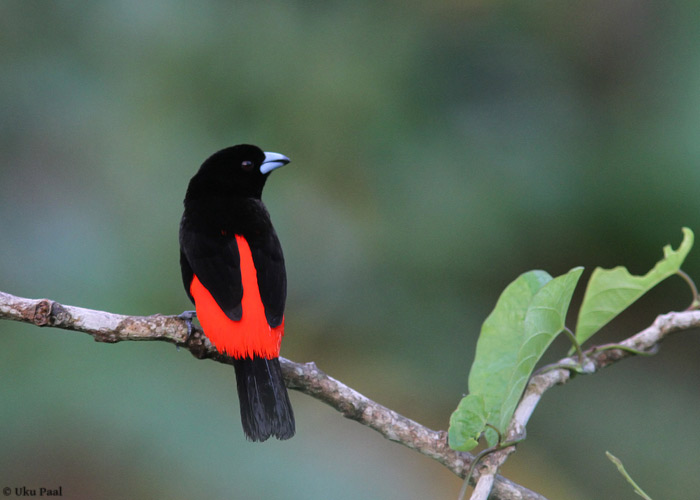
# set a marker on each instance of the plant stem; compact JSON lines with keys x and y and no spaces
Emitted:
{"x":694,"y":290}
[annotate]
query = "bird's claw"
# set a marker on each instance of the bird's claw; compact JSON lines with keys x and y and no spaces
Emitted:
{"x":188,"y":316}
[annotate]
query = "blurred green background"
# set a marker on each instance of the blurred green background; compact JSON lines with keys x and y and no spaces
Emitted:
{"x":439,"y":150}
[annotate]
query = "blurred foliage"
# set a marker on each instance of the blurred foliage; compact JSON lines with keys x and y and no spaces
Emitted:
{"x":439,"y":150}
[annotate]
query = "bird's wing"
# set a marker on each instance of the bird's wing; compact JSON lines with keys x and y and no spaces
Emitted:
{"x":216,"y":263}
{"x":272,"y":278}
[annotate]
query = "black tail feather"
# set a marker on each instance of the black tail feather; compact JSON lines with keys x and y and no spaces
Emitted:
{"x":265,"y":407}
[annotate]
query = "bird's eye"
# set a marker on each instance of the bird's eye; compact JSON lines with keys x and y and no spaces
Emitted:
{"x":247,"y":165}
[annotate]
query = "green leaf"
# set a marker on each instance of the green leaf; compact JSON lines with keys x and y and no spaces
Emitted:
{"x":611,"y":291}
{"x":529,"y":314}
{"x":467,"y":423}
{"x":500,"y":338}
{"x":544,"y":320}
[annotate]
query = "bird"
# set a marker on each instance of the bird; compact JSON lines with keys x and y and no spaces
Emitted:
{"x":233,"y":271}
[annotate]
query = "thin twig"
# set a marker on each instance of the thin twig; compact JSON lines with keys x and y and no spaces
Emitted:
{"x":647,"y":341}
{"x":621,"y":468}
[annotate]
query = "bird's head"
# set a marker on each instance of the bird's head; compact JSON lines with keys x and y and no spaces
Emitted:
{"x":236,"y":171}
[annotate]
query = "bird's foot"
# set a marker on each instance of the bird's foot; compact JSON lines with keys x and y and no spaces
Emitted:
{"x":188,"y":316}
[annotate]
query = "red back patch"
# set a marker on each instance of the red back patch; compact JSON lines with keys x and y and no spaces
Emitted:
{"x":252,"y":335}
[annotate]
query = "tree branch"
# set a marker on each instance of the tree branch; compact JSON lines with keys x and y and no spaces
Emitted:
{"x":307,"y":378}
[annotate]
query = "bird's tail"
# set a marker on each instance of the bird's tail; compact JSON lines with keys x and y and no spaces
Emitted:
{"x":265,"y":407}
